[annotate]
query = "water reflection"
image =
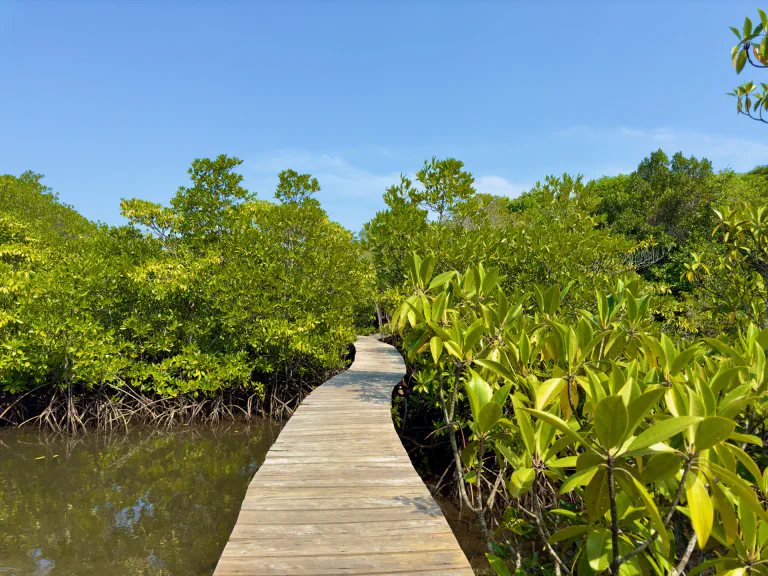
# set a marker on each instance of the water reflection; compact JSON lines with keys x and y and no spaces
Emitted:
{"x":146,"y":502}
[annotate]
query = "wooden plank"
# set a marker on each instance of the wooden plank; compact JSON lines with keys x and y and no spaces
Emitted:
{"x":337,"y":493}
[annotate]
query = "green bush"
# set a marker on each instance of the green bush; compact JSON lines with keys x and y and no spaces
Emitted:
{"x":218,"y":294}
{"x":595,"y":434}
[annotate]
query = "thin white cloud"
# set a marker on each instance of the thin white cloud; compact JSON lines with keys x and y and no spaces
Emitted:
{"x":339,"y":179}
{"x":600,"y":171}
{"x":657,"y":134}
{"x":724,"y":151}
{"x":336,"y":176}
{"x":499,"y":186}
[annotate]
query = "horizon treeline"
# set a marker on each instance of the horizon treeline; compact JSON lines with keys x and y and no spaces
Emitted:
{"x":222,"y":302}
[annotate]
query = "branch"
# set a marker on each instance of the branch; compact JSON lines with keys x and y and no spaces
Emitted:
{"x":544,"y":534}
{"x":616,"y":561}
{"x":677,"y":570}
{"x":492,"y":495}
{"x":455,"y":450}
{"x":667,"y":518}
{"x":749,"y":57}
{"x":748,"y":114}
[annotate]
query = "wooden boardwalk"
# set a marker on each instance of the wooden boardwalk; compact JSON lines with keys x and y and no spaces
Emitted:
{"x":337,"y":493}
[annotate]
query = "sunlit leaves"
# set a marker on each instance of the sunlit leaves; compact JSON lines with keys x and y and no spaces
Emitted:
{"x":662,"y":431}
{"x":226,"y":292}
{"x":700,"y":507}
{"x":611,"y":421}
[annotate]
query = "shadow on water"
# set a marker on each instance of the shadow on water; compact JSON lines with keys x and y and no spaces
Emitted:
{"x":146,"y":502}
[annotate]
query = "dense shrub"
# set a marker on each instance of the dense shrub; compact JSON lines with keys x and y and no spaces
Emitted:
{"x":218,"y":297}
{"x":612,"y":445}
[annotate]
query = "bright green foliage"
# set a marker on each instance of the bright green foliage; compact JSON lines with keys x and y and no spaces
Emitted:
{"x":547,"y":236}
{"x":664,"y":198}
{"x":666,"y":207}
{"x":752,"y":48}
{"x":200,"y":214}
{"x":736,"y":276}
{"x":445,"y":187}
{"x":295,"y":188}
{"x":558,"y":239}
{"x":225,"y":294}
{"x":595,"y":433}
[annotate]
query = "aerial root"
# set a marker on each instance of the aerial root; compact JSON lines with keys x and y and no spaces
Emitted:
{"x":108,"y":407}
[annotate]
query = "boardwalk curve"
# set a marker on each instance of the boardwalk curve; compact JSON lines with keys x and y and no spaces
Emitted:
{"x":337,"y":493}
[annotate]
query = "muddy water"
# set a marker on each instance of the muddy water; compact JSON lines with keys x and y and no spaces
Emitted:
{"x":143,"y":503}
{"x":149,"y":502}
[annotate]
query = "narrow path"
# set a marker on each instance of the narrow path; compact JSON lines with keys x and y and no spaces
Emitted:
{"x":337,"y":493}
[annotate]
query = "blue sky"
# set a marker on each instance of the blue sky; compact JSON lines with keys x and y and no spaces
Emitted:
{"x":114,"y":99}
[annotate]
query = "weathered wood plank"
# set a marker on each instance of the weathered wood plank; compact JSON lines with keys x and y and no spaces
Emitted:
{"x":337,"y":493}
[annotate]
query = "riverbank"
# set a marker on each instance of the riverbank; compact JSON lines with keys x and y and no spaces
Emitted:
{"x":107,"y":408}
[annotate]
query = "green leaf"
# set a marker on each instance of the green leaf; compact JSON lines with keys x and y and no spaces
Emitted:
{"x":723,"y":378}
{"x":610,"y":420}
{"x":442,"y":279}
{"x":438,"y":309}
{"x":498,"y":565}
{"x":489,"y":282}
{"x":453,"y":349}
{"x":596,"y":497}
{"x":741,"y":59}
{"x":521,"y":481}
{"x":662,"y":431}
{"x":739,"y":487}
{"x":501,"y":395}
{"x":478,"y":393}
{"x":568,"y":533}
{"x":507,"y":453}
{"x":748,"y":524}
{"x":728,"y":517}
{"x":713,"y":430}
{"x":526,"y":429}
{"x":558,"y":423}
{"x":567,"y":462}
{"x":547,"y":391}
{"x":746,"y":438}
{"x":469,"y":453}
{"x":525,"y":348}
{"x":436,"y":347}
{"x":496,"y":368}
{"x":631,"y":307}
{"x":682,"y":360}
{"x":472,"y":337}
{"x":725,"y":349}
{"x":662,"y":466}
{"x":414,"y":263}
{"x":599,"y":549}
{"x":489,"y":416}
{"x":700,"y":508}
{"x":426,"y":268}
{"x":653,"y":512}
{"x":747,"y":461}
{"x":552,"y":300}
{"x":580,"y":478}
{"x":640,"y":406}
{"x":726,"y":567}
